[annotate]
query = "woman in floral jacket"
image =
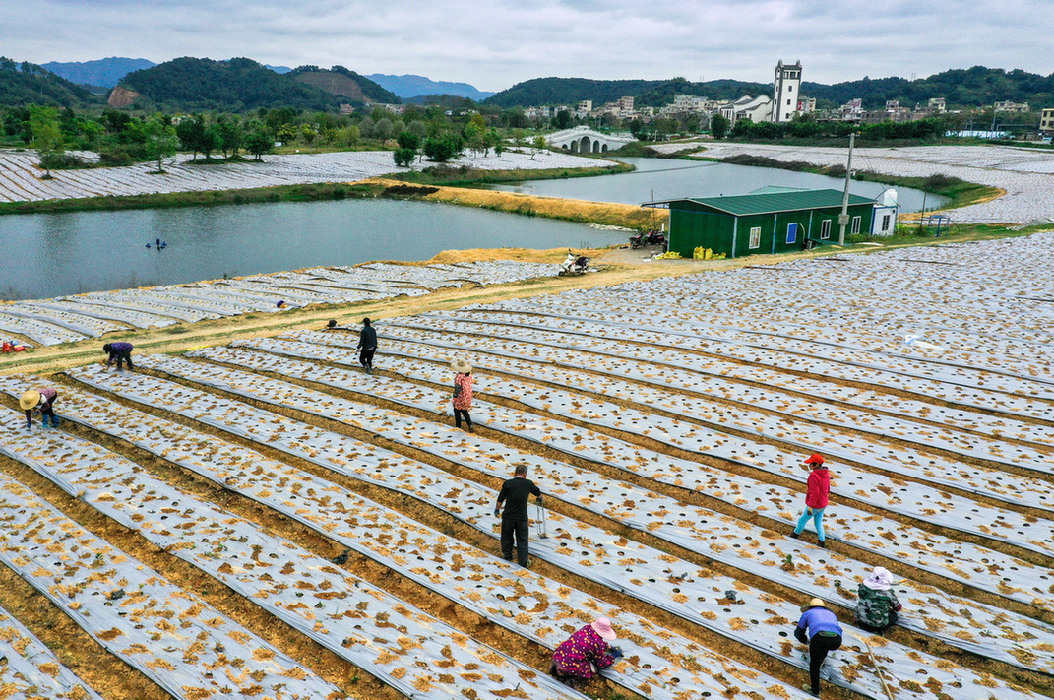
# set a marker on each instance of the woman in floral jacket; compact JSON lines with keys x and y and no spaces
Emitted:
{"x":584,"y":653}
{"x":462,"y":393}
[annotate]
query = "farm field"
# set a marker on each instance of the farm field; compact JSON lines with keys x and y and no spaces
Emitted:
{"x":20,"y":174}
{"x":263,"y":519}
{"x":74,"y":318}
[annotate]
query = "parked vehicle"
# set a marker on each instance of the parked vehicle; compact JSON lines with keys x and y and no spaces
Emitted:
{"x":574,"y":265}
{"x":654,"y":237}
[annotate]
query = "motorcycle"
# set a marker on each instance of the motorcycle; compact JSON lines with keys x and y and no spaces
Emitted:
{"x":574,"y":265}
{"x":644,"y":240}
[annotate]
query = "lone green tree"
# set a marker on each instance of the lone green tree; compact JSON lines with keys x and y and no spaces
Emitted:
{"x":718,"y":126}
{"x":259,"y":141}
{"x":46,"y":135}
{"x":159,"y":139}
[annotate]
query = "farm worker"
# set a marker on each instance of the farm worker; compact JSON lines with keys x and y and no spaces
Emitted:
{"x":584,"y":653}
{"x":513,"y":494}
{"x":367,"y":345}
{"x":119,"y":351}
{"x":43,"y":402}
{"x":818,"y":627}
{"x":877,"y":605}
{"x":818,"y":489}
{"x":281,"y":304}
{"x":462,"y":393}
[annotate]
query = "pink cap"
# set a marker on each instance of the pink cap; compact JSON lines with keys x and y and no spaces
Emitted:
{"x":602,"y":626}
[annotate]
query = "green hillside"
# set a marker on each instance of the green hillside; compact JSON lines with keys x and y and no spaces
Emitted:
{"x":239,"y":84}
{"x":25,"y":83}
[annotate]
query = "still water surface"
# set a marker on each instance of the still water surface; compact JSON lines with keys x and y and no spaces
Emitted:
{"x":47,"y":255}
{"x":656,"y":179}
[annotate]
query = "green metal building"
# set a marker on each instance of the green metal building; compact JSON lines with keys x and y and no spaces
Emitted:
{"x":772,"y":220}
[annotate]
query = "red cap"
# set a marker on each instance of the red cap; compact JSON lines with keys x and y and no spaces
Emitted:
{"x":815,"y":458}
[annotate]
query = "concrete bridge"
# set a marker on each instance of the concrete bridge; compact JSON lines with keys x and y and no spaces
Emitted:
{"x":582,"y":139}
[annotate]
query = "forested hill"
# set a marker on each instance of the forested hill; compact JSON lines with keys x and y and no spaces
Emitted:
{"x":973,"y":87}
{"x":238,"y":84}
{"x":568,"y":91}
{"x":26,"y":83}
{"x":338,"y":80}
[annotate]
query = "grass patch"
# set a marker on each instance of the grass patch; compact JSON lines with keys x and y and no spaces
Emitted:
{"x":283,"y":193}
{"x":464,"y":176}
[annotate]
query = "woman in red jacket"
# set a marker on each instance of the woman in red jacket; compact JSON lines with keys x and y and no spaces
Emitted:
{"x":818,"y":489}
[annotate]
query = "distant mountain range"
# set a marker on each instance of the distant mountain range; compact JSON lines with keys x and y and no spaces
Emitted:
{"x":103,"y":72}
{"x":239,"y":84}
{"x":416,"y":85}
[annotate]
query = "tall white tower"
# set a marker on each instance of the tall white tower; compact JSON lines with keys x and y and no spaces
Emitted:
{"x":788,"y":85}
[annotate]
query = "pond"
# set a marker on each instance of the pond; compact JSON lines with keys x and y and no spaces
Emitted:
{"x":54,"y":254}
{"x":657,"y":179}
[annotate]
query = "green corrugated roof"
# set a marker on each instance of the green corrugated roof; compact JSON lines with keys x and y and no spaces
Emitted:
{"x":775,"y":202}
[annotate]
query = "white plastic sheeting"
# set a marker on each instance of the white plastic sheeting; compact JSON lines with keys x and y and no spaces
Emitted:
{"x":50,"y":323}
{"x":659,"y":664}
{"x":184,"y":645}
{"x":414,"y":652}
{"x":984,"y":630}
{"x":760,"y":620}
{"x":31,"y":671}
{"x":974,"y":565}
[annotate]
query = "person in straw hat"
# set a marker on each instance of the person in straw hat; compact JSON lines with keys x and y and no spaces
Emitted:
{"x":584,"y":653}
{"x":818,"y":627}
{"x":877,"y":605}
{"x":462,"y":393}
{"x":818,"y":489}
{"x":42,"y":401}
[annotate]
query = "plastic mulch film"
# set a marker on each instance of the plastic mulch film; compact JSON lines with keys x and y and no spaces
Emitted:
{"x":975,"y":565}
{"x":999,"y":398}
{"x":986,"y":630}
{"x":662,"y":370}
{"x":185,"y":646}
{"x":722,"y":604}
{"x":51,"y":322}
{"x":737,"y":380}
{"x":414,"y":652}
{"x":31,"y":671}
{"x":658,"y":663}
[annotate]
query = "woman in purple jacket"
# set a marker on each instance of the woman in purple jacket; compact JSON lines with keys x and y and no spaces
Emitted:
{"x":584,"y":653}
{"x":122,"y":352}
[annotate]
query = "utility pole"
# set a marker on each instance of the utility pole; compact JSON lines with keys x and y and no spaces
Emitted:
{"x":843,"y":218}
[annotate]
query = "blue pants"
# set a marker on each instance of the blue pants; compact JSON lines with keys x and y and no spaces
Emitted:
{"x":817,"y":518}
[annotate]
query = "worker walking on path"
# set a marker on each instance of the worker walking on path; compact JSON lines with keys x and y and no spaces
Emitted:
{"x":43,"y":402}
{"x":367,"y":345}
{"x":463,"y":395}
{"x":584,"y":653}
{"x":877,"y":605}
{"x":121,"y":352}
{"x":514,"y":493}
{"x":818,"y":627}
{"x":818,"y":490}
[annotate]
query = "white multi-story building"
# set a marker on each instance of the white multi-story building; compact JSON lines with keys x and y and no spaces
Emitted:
{"x":1010,"y":106}
{"x":937,"y":104}
{"x":688,"y":103}
{"x":787,"y":88}
{"x":1046,"y":120}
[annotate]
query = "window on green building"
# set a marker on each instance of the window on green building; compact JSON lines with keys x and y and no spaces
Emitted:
{"x":755,"y":237}
{"x":825,"y":229}
{"x":856,"y":225}
{"x":792,"y":233}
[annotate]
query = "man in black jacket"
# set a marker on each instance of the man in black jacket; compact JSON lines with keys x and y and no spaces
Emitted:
{"x":367,"y":345}
{"x":514,"y":493}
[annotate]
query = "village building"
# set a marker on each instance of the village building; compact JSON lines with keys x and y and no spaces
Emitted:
{"x":787,"y":89}
{"x":770,"y":220}
{"x":1010,"y":106}
{"x":1046,"y":120}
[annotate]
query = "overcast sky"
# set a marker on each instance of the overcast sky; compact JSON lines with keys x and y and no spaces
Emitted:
{"x":494,"y":44}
